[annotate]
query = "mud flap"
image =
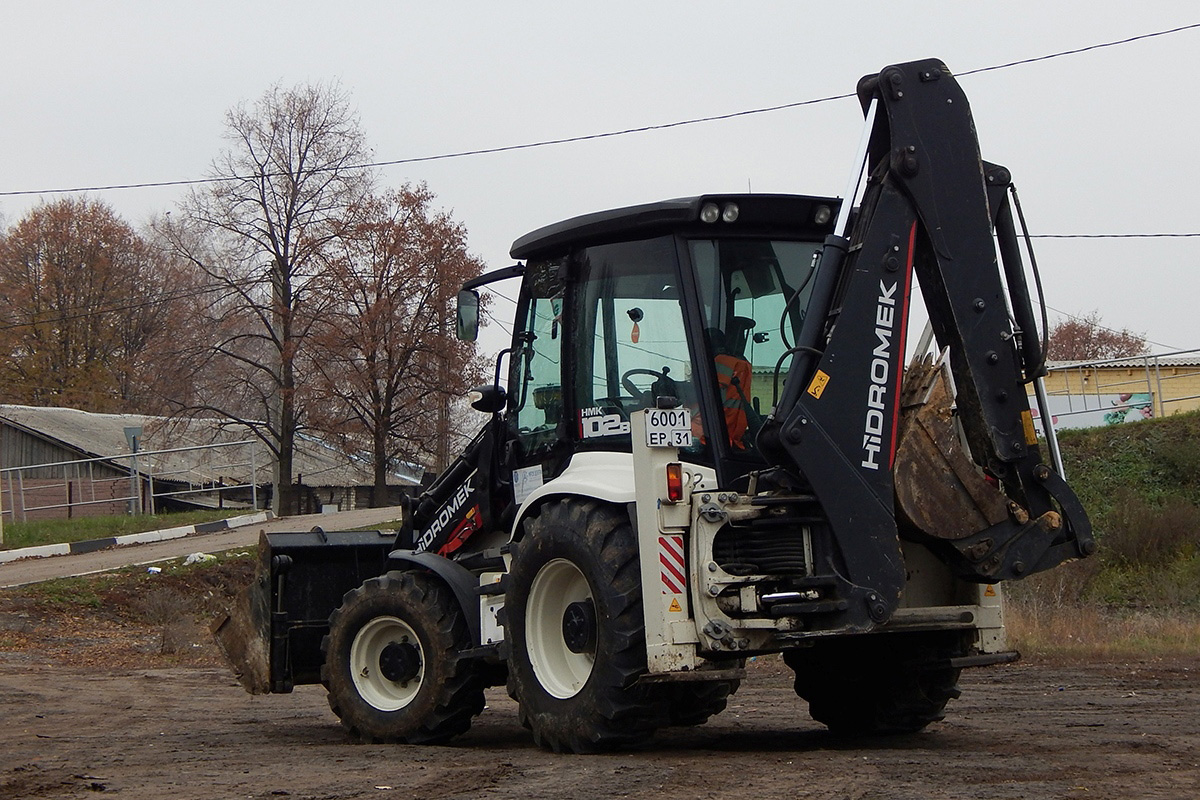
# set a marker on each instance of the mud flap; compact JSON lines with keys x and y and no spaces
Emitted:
{"x":272,"y":635}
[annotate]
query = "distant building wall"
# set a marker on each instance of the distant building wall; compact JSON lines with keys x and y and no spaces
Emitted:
{"x":55,"y":492}
{"x":1085,"y":395}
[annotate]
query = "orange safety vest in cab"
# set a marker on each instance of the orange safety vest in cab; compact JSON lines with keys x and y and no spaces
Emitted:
{"x":733,"y":376}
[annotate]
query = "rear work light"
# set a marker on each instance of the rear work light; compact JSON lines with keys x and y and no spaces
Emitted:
{"x":674,"y":482}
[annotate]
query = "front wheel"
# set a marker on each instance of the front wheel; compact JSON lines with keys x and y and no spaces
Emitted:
{"x":574,"y":630}
{"x":392,"y":665}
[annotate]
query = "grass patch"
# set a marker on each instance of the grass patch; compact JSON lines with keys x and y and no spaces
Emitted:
{"x":1139,"y":595}
{"x":81,"y":529}
{"x":1088,"y":633}
{"x":390,"y":525}
{"x":137,"y":594}
{"x":128,"y":617}
{"x":1154,"y":459}
{"x":66,"y":593}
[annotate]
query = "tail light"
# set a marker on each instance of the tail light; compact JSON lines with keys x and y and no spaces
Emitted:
{"x":674,"y":482}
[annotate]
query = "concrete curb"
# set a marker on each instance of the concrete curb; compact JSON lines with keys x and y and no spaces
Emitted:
{"x":42,"y":551}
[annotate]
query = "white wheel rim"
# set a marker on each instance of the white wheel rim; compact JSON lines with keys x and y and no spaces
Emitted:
{"x":365,"y":652}
{"x":561,"y":672}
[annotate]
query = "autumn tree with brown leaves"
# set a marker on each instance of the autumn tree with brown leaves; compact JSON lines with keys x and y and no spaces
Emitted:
{"x":86,"y":302}
{"x":386,"y":360}
{"x":280,"y":191}
{"x":1087,"y":339}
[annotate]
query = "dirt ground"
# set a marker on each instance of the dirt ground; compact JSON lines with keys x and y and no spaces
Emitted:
{"x":73,"y":729}
{"x":112,"y":685}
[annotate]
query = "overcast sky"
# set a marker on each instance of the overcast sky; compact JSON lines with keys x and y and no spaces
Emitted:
{"x":1101,"y":142}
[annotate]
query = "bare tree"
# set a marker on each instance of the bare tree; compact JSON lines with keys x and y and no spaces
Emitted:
{"x":291,"y":171}
{"x":388,"y":362}
{"x":1087,"y":339}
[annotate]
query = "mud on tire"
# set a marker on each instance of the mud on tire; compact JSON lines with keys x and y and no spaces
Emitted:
{"x":574,"y":630}
{"x":392,"y":666}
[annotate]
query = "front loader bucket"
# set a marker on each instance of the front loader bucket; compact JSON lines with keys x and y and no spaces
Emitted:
{"x":244,"y":634}
{"x":272,"y":635}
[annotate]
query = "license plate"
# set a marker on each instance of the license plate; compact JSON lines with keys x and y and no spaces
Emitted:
{"x":668,"y":427}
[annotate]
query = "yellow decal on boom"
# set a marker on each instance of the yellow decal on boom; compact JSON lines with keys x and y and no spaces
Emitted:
{"x":818,"y":384}
{"x":675,"y":605}
{"x":1030,"y":433}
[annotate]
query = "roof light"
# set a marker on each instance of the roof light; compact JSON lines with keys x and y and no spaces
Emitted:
{"x":729,"y":213}
{"x":823,"y":215}
{"x":710,"y":213}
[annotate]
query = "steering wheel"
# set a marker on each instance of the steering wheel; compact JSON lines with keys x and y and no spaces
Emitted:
{"x":642,"y":397}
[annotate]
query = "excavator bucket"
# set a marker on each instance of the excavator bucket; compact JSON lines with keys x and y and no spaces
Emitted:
{"x":940,"y":491}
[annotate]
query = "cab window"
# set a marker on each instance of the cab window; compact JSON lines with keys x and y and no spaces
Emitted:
{"x":537,"y":401}
{"x":753,"y":296}
{"x":631,"y":341}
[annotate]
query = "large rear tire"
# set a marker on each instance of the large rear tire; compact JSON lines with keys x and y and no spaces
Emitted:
{"x":574,"y":630}
{"x":392,"y":665}
{"x":876,"y":685}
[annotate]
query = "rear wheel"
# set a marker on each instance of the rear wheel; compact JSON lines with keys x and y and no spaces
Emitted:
{"x":876,"y":685}
{"x":392,"y":666}
{"x":574,"y":630}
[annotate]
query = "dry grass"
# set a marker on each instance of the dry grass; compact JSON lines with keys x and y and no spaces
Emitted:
{"x":1086,"y":633}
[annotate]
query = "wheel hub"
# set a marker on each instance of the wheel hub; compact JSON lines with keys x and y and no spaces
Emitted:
{"x":579,"y":627}
{"x":400,"y":662}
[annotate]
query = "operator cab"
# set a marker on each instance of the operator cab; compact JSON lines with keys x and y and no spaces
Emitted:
{"x":699,"y":299}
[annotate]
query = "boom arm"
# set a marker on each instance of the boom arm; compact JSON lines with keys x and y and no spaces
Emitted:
{"x":930,"y":207}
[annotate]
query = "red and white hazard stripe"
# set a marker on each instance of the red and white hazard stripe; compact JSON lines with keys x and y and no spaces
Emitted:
{"x":671,"y":561}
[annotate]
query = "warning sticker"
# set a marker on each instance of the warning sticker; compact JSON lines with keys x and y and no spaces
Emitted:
{"x":675,"y":605}
{"x":990,"y":591}
{"x":818,"y":384}
{"x":671,"y":564}
{"x":1030,"y":431}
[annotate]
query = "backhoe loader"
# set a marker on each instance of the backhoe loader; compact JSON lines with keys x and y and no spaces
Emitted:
{"x":703,"y":445}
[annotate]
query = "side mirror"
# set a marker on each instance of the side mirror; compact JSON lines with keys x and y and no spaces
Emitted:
{"x":466,"y":321}
{"x":488,"y":398}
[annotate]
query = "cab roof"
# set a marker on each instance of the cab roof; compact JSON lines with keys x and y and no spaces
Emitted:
{"x":790,"y":215}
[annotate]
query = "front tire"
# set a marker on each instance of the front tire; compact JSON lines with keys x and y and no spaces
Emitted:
{"x":392,"y":666}
{"x":574,"y":630}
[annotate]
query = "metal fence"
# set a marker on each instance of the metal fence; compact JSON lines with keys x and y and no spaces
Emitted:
{"x":1120,"y":389}
{"x":133,"y":482}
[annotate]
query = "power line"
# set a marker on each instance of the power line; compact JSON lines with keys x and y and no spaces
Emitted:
{"x":1079,"y":50}
{"x":1087,"y":321}
{"x":1115,"y":236}
{"x":165,"y":298}
{"x":591,"y":136}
